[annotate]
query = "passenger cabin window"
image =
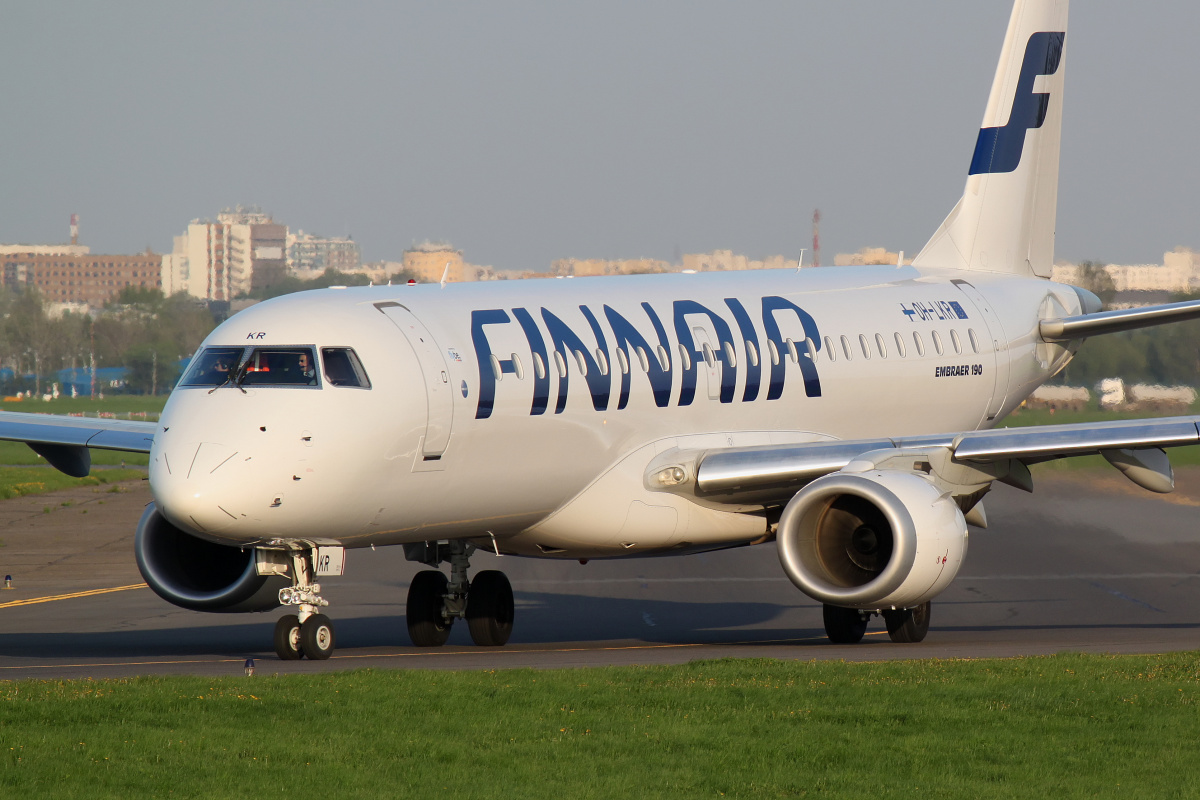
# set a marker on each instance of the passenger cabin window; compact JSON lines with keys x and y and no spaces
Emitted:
{"x":643,"y":359}
{"x":622,"y":361}
{"x":342,"y":368}
{"x":212,"y":367}
{"x":900,"y":345}
{"x":919,"y":343}
{"x":279,"y":366}
{"x":751,"y":353}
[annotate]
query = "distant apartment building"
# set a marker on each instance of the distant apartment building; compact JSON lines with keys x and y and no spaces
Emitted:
{"x":72,"y":274}
{"x":726,"y":261}
{"x":1179,"y":272}
{"x":243,"y":249}
{"x":429,"y":261}
{"x":589,"y":267}
{"x":308,"y":255}
{"x":868,"y":256}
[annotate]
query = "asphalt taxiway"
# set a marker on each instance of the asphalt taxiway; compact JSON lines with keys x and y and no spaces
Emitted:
{"x":1087,"y":563}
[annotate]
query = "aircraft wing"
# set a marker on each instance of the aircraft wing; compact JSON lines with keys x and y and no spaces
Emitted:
{"x":65,"y":441}
{"x":773,"y":473}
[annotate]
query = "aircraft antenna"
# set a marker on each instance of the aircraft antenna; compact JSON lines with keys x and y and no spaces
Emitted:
{"x":445,"y":274}
{"x":816,"y":237}
{"x":800,"y":261}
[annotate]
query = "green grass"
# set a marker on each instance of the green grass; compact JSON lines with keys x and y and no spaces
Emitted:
{"x":1062,"y":726}
{"x":24,"y":481}
{"x":121,"y":403}
{"x":19,"y":454}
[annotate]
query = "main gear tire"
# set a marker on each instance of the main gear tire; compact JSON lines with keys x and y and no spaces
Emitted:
{"x":427,"y":625}
{"x":844,"y":625}
{"x":908,"y":625}
{"x":490,"y":609}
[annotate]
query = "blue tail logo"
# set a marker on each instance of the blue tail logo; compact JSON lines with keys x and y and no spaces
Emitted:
{"x":999,"y":149}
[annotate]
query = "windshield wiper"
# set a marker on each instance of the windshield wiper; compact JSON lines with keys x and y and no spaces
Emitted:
{"x":230,"y":375}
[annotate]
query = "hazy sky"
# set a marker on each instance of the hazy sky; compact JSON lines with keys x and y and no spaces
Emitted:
{"x":525,"y":132}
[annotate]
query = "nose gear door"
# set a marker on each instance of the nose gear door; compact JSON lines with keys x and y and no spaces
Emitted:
{"x":435,"y":371}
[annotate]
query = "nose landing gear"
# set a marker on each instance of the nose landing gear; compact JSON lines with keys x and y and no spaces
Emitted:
{"x":435,"y":602}
{"x":307,"y":633}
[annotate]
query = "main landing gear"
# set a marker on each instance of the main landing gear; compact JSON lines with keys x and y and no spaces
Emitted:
{"x":434,"y":601}
{"x":847,"y":625}
{"x":308,"y":632}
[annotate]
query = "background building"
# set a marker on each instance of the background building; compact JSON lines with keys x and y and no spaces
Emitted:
{"x":308,"y":256}
{"x":429,"y":261}
{"x":243,"y":250}
{"x":72,"y":274}
{"x":1141,"y":284}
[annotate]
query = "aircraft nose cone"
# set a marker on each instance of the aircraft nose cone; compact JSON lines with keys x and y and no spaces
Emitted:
{"x":196,"y":486}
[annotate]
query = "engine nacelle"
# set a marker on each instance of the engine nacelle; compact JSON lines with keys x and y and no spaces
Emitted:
{"x":200,"y":575}
{"x":877,"y":539}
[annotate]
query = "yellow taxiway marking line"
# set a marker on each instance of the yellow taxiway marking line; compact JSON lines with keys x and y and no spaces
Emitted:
{"x":87,"y":593}
{"x":513,"y":652}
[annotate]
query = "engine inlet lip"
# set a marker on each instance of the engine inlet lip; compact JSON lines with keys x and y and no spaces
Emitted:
{"x":823,"y":492}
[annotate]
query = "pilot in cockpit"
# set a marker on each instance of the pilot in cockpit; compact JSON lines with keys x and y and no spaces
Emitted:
{"x":307,"y":370}
{"x":219,"y":370}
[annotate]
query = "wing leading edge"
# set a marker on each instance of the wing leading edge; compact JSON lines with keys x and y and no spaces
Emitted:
{"x":65,"y":441}
{"x":773,"y":473}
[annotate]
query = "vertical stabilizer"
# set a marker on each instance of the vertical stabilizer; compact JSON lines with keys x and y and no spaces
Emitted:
{"x":1005,"y":219}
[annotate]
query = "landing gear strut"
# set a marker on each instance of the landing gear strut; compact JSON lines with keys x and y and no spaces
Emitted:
{"x":307,"y":633}
{"x":904,"y":625}
{"x":435,"y":602}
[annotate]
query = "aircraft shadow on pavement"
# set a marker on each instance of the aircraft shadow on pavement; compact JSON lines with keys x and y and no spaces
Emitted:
{"x":542,"y":619}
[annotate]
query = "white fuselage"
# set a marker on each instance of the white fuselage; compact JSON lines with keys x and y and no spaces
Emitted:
{"x":480,"y":421}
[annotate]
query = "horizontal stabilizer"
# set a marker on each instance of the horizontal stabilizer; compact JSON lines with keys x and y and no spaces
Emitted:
{"x":1126,"y":319}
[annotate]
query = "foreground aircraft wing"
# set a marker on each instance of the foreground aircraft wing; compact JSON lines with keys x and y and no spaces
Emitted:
{"x":773,"y":473}
{"x":65,"y":441}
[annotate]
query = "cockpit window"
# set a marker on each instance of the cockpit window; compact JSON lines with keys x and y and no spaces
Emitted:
{"x":279,"y":366}
{"x":212,"y":367}
{"x":342,"y":367}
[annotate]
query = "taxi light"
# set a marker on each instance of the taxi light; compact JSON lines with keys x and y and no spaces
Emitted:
{"x":671,"y":476}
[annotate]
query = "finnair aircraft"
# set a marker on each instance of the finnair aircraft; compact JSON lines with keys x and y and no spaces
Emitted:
{"x":844,"y":414}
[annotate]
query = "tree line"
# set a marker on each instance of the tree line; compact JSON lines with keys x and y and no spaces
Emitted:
{"x":150,"y":334}
{"x":141,"y":329}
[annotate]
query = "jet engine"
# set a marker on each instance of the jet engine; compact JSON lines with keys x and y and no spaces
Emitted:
{"x":200,"y":575}
{"x":872,"y":540}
